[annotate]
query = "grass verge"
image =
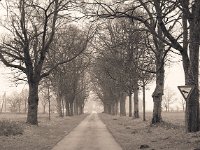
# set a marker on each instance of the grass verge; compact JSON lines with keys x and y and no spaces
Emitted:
{"x":42,"y":137}
{"x":133,"y":134}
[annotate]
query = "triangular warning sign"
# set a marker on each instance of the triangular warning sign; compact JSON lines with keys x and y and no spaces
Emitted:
{"x":186,"y":90}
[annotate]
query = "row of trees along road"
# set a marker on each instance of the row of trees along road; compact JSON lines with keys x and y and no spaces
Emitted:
{"x":173,"y":25}
{"x":150,"y":30}
{"x":70,"y":81}
{"x":27,"y":45}
{"x":121,"y":50}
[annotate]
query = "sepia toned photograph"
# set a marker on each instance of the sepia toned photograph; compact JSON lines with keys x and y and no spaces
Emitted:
{"x":99,"y":74}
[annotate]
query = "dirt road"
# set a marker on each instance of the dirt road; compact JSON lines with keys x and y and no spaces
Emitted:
{"x":90,"y":134}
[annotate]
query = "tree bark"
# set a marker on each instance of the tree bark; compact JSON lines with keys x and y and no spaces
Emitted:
{"x":33,"y":103}
{"x":81,"y":109}
{"x":71,"y":108}
{"x":67,"y":112}
{"x":112,"y":108}
{"x":116,"y":107}
{"x":122,"y":104}
{"x":168,"y":105}
{"x":159,"y":90}
{"x":144,"y":103}
{"x":183,"y":105}
{"x":59,"y":104}
{"x":192,"y":103}
{"x":49,"y":101}
{"x":44,"y":109}
{"x":130,"y":104}
{"x":191,"y":64}
{"x":62,"y":107}
{"x":75,"y":107}
{"x":105,"y":108}
{"x":157,"y":97}
{"x":136,"y":104}
{"x":109,"y":108}
{"x":25,"y":105}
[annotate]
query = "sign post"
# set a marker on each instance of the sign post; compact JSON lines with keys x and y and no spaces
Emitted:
{"x":186,"y":90}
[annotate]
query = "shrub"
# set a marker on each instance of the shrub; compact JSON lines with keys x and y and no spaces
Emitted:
{"x":10,"y":128}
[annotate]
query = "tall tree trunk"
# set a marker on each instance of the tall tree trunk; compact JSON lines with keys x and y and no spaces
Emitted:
{"x":144,"y":103}
{"x":109,"y":108}
{"x":130,"y":104}
{"x":157,"y":97}
{"x":136,"y":103}
{"x":49,"y":110}
{"x":122,"y":104}
{"x":33,"y":103}
{"x":62,"y":106}
{"x":49,"y":101}
{"x":59,"y":104}
{"x":82,"y":109}
{"x":116,"y":107}
{"x":112,"y":109}
{"x":5,"y":104}
{"x":191,"y":64}
{"x":183,"y":105}
{"x":44,"y":109}
{"x":78,"y":109}
{"x":25,"y":104}
{"x":159,"y":90}
{"x":75,"y":107}
{"x":168,"y":105}
{"x":67,"y":113}
{"x":192,"y":103}
{"x":105,"y":108}
{"x":19,"y":107}
{"x":71,"y":108}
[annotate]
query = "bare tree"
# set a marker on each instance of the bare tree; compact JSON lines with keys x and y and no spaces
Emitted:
{"x":15,"y":102}
{"x":4,"y":103}
{"x":182,"y":102}
{"x":168,"y":99}
{"x":32,"y":25}
{"x":144,"y":13}
{"x":44,"y":97}
{"x":167,"y":15}
{"x":120,"y":48}
{"x":66,"y":78}
{"x":82,"y":93}
{"x":24,"y":97}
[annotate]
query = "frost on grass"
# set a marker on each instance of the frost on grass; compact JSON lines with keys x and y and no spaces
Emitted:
{"x":8,"y":128}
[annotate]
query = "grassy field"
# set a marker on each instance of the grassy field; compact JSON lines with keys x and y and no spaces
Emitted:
{"x":176,"y":118}
{"x":133,"y":134}
{"x":41,"y":137}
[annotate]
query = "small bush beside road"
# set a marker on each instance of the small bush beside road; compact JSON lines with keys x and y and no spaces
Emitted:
{"x":8,"y":127}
